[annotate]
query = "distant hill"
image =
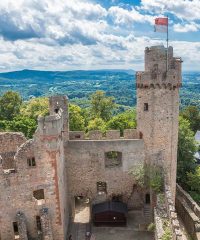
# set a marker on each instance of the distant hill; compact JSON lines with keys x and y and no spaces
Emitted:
{"x":79,"y":85}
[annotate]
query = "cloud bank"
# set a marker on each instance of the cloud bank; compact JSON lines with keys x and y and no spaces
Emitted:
{"x":80,"y":34}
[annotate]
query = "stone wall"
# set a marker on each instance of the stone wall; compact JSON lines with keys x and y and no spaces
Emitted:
{"x":110,"y":134}
{"x":9,"y":143}
{"x":165,"y":212}
{"x":17,"y":188}
{"x":85,"y":166}
{"x":189,"y":211}
{"x":159,"y":122}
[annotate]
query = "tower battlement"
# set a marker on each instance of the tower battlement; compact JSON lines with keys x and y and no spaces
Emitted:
{"x":57,"y":121}
{"x":160,"y":73}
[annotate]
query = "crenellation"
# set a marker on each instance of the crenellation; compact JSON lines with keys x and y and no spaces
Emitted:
{"x":95,"y":135}
{"x":79,"y":135}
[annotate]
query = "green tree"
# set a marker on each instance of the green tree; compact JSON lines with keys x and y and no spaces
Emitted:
{"x":192,"y":114}
{"x":10,"y":103}
{"x":76,"y":120}
{"x":23,"y":124}
{"x":97,"y":124}
{"x":35,"y":107}
{"x":194,"y":180}
{"x":186,"y":150}
{"x":102,"y":106}
{"x":123,"y":121}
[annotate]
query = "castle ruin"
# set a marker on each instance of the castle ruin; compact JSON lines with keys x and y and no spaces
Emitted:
{"x":40,"y":178}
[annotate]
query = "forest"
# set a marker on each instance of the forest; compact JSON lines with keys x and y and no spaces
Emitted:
{"x":79,"y":85}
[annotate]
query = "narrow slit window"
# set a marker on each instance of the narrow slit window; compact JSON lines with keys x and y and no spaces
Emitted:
{"x":31,"y":162}
{"x":101,"y":188}
{"x":38,"y":224}
{"x":146,"y":107}
{"x":16,"y":230}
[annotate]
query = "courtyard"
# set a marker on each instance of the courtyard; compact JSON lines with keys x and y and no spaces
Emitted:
{"x":133,"y":231}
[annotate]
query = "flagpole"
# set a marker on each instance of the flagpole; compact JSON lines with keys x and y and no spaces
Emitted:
{"x":167,"y":64}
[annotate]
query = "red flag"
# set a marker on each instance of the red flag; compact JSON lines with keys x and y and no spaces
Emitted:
{"x":161,"y":24}
{"x":161,"y":21}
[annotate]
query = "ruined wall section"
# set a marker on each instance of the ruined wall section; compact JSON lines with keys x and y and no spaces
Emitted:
{"x":48,"y":174}
{"x":85,"y":166}
{"x":158,"y":109}
{"x":53,"y":132}
{"x":17,"y":190}
{"x":9,"y":143}
{"x":189,"y":211}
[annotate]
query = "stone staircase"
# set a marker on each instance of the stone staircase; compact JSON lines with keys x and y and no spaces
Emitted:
{"x":147,"y":213}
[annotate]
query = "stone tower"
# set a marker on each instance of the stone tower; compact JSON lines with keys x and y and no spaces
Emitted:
{"x":158,"y":108}
{"x":57,"y":103}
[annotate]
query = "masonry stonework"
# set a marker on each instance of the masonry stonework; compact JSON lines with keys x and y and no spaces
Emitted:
{"x":158,"y":108}
{"x":40,"y":178}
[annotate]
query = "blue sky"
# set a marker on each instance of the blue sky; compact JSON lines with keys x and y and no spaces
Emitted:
{"x":94,"y":34}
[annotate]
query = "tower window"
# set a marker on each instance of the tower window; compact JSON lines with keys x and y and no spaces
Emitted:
{"x":146,"y":107}
{"x":31,"y":162}
{"x":147,"y":198}
{"x":16,"y":230}
{"x":101,"y":188}
{"x":38,"y":223}
{"x":56,"y":110}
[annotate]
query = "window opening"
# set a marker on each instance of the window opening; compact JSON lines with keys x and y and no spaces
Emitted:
{"x":56,"y":110}
{"x":16,"y":230}
{"x":113,"y":159}
{"x":101,"y":188}
{"x":39,"y":196}
{"x":147,"y":198}
{"x":31,"y":162}
{"x":146,"y":106}
{"x":38,"y":223}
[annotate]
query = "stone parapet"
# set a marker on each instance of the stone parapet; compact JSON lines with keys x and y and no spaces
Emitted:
{"x":132,"y":134}
{"x":159,"y":80}
{"x":113,"y":134}
{"x":96,"y":135}
{"x":172,"y":215}
{"x":110,"y":134}
{"x":165,"y":211}
{"x":162,"y":70}
{"x":189,"y":200}
{"x":188,"y":210}
{"x":76,"y":135}
{"x":51,"y":125}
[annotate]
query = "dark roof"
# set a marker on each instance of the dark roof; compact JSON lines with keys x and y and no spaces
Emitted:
{"x":119,"y":207}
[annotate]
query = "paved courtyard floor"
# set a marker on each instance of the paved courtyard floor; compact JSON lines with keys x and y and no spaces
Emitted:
{"x":131,"y":232}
